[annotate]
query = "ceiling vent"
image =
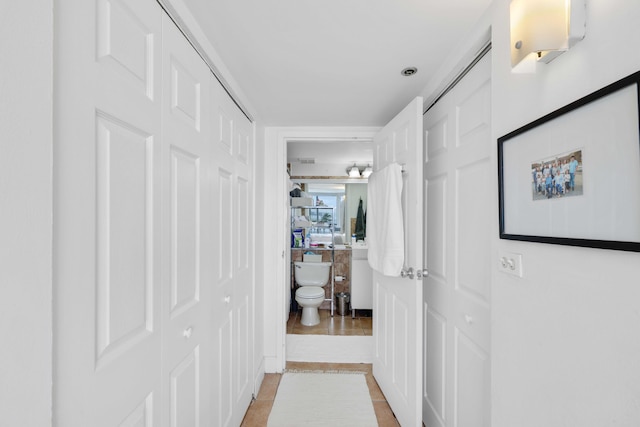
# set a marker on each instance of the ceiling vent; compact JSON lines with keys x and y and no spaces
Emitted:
{"x":308,"y":161}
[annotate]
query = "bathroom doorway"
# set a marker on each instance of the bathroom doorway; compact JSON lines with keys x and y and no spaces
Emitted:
{"x":320,"y":170}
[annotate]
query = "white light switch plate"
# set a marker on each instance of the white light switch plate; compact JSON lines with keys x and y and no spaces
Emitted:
{"x":510,"y":263}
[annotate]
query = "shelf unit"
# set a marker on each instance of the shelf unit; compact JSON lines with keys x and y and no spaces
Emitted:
{"x":318,"y":213}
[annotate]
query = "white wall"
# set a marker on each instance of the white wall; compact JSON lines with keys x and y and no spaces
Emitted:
{"x":26,"y":88}
{"x":566,"y":337}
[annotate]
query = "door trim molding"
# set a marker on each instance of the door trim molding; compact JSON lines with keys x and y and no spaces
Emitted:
{"x":276,"y":261}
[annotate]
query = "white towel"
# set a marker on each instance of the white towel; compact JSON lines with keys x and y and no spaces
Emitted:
{"x":385,"y":231}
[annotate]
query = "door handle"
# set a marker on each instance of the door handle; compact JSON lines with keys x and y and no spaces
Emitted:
{"x":422,"y":273}
{"x":407,"y":273}
{"x":227,"y":299}
{"x":187,"y":332}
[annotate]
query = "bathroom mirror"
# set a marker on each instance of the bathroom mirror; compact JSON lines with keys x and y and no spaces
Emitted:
{"x":345,"y":198}
{"x":321,"y":165}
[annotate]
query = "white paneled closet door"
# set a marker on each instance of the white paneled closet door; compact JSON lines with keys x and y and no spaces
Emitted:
{"x":153,"y":226}
{"x":107,"y":214}
{"x":186,"y":238}
{"x":233,"y":219}
{"x":457,"y":294}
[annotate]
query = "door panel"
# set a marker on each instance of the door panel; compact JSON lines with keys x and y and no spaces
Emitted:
{"x":186,"y":94}
{"x":124,"y":218}
{"x":185,"y":391}
{"x":185,"y":230}
{"x":459,"y":205}
{"x":434,"y":379}
{"x":244,"y":231}
{"x":107,"y":214}
{"x":186,"y":157}
{"x":473,"y":279}
{"x":471,"y":369}
{"x":436,"y":245}
{"x":233,"y":305}
{"x":397,"y":301}
{"x":223,"y":374}
{"x":126,"y":44}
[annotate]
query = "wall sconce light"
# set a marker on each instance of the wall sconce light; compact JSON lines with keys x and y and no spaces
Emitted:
{"x":353,"y":172}
{"x":367,"y":171}
{"x":542,"y":30}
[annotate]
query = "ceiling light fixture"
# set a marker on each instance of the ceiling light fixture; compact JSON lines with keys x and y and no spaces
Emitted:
{"x":367,"y":172}
{"x":409,"y":71}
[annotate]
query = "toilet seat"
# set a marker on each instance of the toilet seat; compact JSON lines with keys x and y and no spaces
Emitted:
{"x":310,"y":292}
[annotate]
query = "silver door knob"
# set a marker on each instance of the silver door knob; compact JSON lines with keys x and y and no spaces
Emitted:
{"x":407,"y":273}
{"x":227,"y":299}
{"x":422,"y":273}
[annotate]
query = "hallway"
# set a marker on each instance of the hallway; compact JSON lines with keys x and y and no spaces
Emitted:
{"x":258,"y":412}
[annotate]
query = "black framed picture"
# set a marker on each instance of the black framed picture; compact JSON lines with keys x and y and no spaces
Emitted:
{"x":572,"y":177}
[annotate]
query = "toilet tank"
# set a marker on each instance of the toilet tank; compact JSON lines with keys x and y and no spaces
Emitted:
{"x":311,"y":273}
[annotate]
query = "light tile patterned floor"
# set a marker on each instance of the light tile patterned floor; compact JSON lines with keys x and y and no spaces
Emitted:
{"x":258,"y":413}
{"x":336,"y":325}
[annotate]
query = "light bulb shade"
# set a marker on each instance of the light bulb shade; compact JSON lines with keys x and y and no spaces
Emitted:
{"x":354,"y":172}
{"x":367,"y":172}
{"x":544,"y":29}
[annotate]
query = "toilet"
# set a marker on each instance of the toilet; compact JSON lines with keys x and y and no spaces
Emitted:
{"x":311,"y":277}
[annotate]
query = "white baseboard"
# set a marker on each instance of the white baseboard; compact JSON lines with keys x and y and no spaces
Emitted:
{"x":329,"y":348}
{"x":258,"y":377}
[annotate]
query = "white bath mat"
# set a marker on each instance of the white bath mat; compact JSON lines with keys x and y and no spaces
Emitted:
{"x":321,"y":399}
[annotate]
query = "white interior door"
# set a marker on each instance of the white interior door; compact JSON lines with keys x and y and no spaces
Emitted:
{"x":188,"y":273}
{"x":459,"y":216}
{"x":243,"y":292}
{"x":397,"y":301}
{"x":107,"y":214}
{"x":153,"y":227}
{"x":233,"y":219}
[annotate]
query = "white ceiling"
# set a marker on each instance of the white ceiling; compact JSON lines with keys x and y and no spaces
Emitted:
{"x":333,"y":62}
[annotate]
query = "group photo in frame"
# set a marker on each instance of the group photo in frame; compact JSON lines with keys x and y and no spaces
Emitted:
{"x":572,"y":177}
{"x":558,"y":176}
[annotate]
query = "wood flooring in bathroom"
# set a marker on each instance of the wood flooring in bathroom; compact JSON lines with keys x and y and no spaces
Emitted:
{"x":362,"y":324}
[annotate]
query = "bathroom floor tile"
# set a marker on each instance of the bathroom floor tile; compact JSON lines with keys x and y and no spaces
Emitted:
{"x":269,"y":386}
{"x":258,"y":413}
{"x":374,"y":389}
{"x":384,"y":414}
{"x":336,"y":325}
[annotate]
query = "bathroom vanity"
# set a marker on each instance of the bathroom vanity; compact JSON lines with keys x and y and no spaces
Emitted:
{"x":361,"y":280}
